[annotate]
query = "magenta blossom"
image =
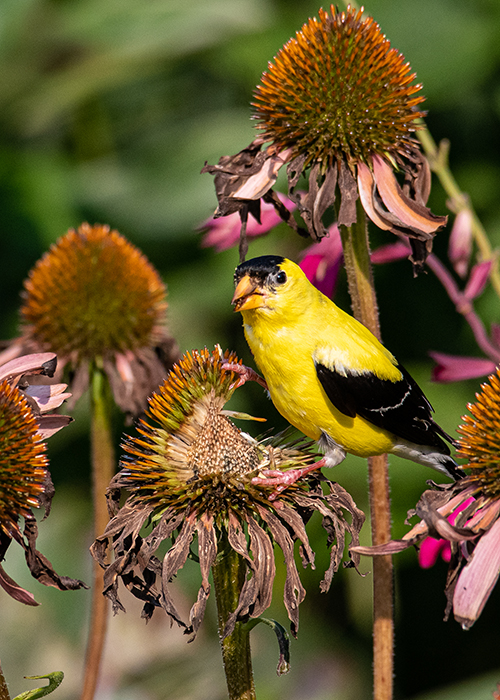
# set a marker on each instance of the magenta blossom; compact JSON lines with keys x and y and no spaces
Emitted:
{"x":432,"y":547}
{"x":224,"y":232}
{"x":321,"y":262}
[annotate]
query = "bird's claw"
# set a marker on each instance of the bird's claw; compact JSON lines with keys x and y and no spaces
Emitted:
{"x":245,"y":374}
{"x":282,"y":480}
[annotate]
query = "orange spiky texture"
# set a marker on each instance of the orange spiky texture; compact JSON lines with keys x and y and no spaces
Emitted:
{"x":338,"y":90}
{"x":93,"y":294}
{"x":479,"y":441}
{"x":193,"y":453}
{"x":23,"y":462}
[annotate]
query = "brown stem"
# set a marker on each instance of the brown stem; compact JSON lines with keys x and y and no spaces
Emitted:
{"x":103,"y":466}
{"x":229,"y":575}
{"x":4,"y":691}
{"x":364,"y":303}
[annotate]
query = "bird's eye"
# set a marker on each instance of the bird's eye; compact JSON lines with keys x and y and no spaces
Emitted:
{"x":281,"y":277}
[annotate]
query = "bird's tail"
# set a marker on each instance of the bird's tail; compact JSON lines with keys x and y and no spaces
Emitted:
{"x":430,"y":457}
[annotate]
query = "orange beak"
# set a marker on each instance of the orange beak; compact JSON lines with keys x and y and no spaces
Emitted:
{"x":248,"y":295}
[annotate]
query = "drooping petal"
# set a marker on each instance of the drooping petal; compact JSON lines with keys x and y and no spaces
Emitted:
{"x":478,"y":578}
{"x":411,"y":215}
{"x":37,"y":363}
{"x":48,"y":396}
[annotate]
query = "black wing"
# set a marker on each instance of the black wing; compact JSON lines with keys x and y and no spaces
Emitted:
{"x":400,"y":407}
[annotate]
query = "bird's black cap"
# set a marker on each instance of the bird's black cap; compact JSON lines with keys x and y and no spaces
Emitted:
{"x":259,"y":268}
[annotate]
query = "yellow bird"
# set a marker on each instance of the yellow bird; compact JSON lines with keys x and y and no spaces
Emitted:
{"x":328,"y":375}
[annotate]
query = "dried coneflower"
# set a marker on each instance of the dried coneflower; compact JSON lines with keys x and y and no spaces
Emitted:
{"x":25,"y":481}
{"x":340,"y":102}
{"x":189,"y":477}
{"x":473,"y":504}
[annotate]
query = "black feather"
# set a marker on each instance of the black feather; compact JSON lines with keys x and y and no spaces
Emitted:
{"x":399,"y":407}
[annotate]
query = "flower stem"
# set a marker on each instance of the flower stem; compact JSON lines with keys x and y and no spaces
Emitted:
{"x":4,"y":691}
{"x":229,"y":575}
{"x":364,"y":303}
{"x":103,"y":467}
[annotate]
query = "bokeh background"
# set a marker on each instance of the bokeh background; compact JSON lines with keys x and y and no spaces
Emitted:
{"x":108,"y":111}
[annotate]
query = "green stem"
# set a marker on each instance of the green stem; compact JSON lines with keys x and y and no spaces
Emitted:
{"x":229,"y":575}
{"x":103,"y":467}
{"x":364,"y":303}
{"x":4,"y":691}
{"x":458,"y":200}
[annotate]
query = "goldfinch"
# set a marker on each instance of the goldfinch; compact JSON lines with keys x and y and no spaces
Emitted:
{"x":328,"y":375}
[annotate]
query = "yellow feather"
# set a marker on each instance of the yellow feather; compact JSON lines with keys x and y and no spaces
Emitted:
{"x":298,"y":325}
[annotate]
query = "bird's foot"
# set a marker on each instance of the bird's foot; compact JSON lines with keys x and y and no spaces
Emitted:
{"x":245,"y":374}
{"x":282,"y":480}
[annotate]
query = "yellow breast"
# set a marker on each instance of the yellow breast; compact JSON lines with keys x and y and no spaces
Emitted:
{"x":285,"y":357}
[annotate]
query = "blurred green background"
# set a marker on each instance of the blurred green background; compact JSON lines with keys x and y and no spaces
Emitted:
{"x":108,"y":111}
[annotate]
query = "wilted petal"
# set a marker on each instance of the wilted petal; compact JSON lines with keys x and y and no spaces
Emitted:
{"x":460,"y":243}
{"x":48,"y":425}
{"x":478,"y":578}
{"x":48,"y":396}
{"x":15,"y":590}
{"x":262,"y":181}
{"x":411,"y":214}
{"x":478,"y":278}
{"x":224,"y":232}
{"x":37,"y":363}
{"x":366,"y":187}
{"x":454,"y":368}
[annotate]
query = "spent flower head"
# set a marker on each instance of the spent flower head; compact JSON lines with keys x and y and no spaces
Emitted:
{"x":466,"y":513}
{"x":95,"y":298}
{"x":189,"y":475}
{"x":25,"y":481}
{"x":340,"y":102}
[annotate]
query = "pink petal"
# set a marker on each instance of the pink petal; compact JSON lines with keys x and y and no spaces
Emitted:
{"x":478,"y":578}
{"x":37,"y":363}
{"x":478,"y":279}
{"x":460,"y":243}
{"x":48,"y":396}
{"x":321,"y":262}
{"x":495,"y":334}
{"x":454,"y":368}
{"x":390,"y":253}
{"x":430,"y":549}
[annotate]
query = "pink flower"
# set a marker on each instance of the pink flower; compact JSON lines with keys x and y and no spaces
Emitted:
{"x":460,"y":243}
{"x":321,"y":262}
{"x":224,"y":232}
{"x":431,"y":547}
{"x":455,"y":368}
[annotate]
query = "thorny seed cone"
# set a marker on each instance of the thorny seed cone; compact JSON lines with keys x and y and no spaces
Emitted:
{"x":338,"y":91}
{"x":23,"y":463}
{"x":93,"y":294}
